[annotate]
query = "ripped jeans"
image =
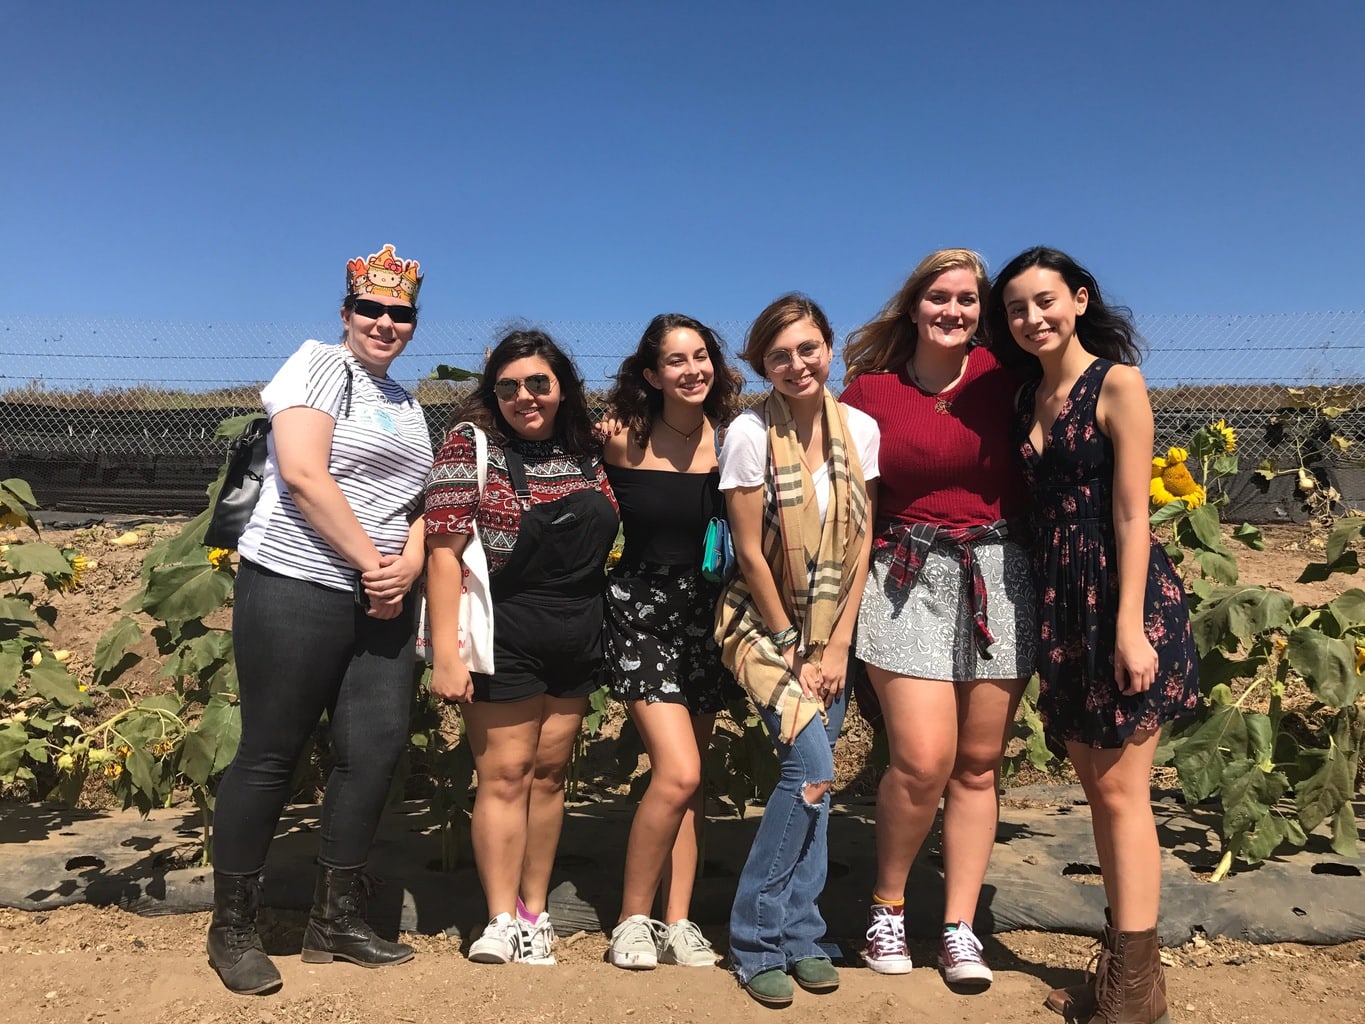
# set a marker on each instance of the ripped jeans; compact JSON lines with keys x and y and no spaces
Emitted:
{"x":775,"y":920}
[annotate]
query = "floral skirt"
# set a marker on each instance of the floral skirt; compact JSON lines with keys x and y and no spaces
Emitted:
{"x":1079,"y":698}
{"x":660,"y":642}
{"x":927,"y":631}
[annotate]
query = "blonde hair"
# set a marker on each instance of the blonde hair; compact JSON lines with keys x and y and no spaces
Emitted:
{"x":889,"y":338}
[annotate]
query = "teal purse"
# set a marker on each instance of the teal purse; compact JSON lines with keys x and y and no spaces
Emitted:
{"x":718,"y":552}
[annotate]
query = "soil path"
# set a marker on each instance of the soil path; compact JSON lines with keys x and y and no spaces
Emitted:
{"x":82,"y":964}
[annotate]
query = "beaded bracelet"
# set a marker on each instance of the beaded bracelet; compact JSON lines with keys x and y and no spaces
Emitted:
{"x":787,"y":638}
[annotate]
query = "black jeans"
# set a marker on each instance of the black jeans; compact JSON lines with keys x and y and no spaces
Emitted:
{"x":301,"y":650}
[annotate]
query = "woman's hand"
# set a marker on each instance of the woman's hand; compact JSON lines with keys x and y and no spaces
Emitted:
{"x":833,"y":671}
{"x":1135,"y":662}
{"x":606,"y":428}
{"x":387,"y":609}
{"x":393,"y":579}
{"x":451,"y":681}
{"x":806,"y":674}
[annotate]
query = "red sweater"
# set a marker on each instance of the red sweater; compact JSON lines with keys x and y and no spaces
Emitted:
{"x":955,"y":467}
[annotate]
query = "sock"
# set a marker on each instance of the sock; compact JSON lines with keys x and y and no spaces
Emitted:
{"x":897,"y":906}
{"x":525,"y":914}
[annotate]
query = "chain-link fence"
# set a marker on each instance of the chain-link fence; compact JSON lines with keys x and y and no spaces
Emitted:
{"x":124,"y":411}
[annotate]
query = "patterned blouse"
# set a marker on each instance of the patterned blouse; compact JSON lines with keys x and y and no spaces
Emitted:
{"x":452,"y":492}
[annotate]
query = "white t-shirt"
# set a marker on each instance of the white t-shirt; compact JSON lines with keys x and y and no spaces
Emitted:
{"x":744,"y":457}
{"x":381,"y":453}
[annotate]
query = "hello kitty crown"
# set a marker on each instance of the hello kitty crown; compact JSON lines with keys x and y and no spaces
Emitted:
{"x":384,"y":274}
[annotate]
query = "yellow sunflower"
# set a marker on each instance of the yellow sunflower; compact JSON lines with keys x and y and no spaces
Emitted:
{"x":80,"y":565}
{"x":220,"y":558}
{"x":1171,"y":479}
{"x":1222,"y":433}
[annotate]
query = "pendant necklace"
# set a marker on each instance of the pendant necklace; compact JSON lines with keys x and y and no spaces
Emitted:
{"x":942,"y":406}
{"x":685,"y":436}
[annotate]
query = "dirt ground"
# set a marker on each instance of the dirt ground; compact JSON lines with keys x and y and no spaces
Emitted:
{"x":90,"y":964}
{"x":84,"y":964}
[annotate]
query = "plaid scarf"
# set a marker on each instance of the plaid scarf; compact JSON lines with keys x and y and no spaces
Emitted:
{"x":812,"y":564}
{"x":910,"y":544}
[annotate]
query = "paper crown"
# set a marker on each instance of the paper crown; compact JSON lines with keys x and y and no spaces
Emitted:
{"x":384,"y":274}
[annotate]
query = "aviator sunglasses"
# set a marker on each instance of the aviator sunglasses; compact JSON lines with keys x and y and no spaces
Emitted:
{"x":374,"y":310}
{"x":540,"y":384}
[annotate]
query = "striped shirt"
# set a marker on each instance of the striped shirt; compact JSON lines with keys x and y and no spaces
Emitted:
{"x":380,"y":456}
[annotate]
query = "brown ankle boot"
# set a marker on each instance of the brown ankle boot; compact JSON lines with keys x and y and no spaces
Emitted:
{"x":1078,"y":1002}
{"x":1133,"y":988}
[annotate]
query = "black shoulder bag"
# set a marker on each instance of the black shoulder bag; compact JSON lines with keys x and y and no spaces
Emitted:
{"x":243,"y":477}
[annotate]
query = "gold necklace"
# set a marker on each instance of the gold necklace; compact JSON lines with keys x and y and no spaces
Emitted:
{"x":687,"y":436}
{"x":942,"y":406}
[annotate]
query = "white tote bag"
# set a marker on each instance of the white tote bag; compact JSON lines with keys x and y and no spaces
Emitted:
{"x":476,"y":599}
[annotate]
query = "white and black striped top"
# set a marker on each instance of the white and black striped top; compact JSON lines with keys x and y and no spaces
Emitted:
{"x":381,"y":453}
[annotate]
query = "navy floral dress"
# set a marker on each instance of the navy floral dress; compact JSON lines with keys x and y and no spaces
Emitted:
{"x":1075,"y":562}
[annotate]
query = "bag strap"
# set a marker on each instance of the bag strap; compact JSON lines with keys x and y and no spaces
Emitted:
{"x":346,"y":394}
{"x":480,"y":451}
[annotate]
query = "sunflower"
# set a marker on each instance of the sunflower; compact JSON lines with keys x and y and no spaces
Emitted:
{"x":220,"y":558}
{"x":1171,"y":480}
{"x":80,"y":565}
{"x":1224,"y":439}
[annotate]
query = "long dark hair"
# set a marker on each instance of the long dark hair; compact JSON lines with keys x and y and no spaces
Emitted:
{"x":573,"y":428}
{"x":1104,"y":330}
{"x":635,"y":402}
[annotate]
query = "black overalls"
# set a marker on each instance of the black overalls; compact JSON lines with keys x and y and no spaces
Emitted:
{"x":547,"y":597}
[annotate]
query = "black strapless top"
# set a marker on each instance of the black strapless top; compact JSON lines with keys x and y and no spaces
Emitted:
{"x":664,"y":514}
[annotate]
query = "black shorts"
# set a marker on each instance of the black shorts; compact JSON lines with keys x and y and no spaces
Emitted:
{"x":543,"y":645}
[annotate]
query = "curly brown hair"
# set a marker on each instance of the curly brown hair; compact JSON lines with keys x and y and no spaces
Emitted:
{"x":636,"y":402}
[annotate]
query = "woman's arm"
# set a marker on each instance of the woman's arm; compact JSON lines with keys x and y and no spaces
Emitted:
{"x":303,"y":446}
{"x":744,"y":507}
{"x":1125,"y":416}
{"x":449,"y":674}
{"x":834,"y":665}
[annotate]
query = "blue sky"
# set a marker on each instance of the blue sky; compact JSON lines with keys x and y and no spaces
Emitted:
{"x":606,"y":161}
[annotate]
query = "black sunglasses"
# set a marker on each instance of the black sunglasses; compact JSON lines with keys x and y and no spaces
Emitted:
{"x":374,"y":310}
{"x":540,"y":384}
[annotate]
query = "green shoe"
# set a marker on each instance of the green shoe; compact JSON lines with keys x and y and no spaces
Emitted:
{"x":815,"y":974}
{"x":771,"y":988}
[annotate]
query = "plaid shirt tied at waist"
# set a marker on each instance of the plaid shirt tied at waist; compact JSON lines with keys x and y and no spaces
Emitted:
{"x":909,"y":544}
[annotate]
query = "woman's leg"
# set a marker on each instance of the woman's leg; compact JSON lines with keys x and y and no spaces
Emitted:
{"x":1118,"y":785}
{"x":805,"y":926}
{"x":502,"y":738}
{"x":680,"y":869}
{"x":292,"y":641}
{"x":370,"y":719}
{"x":921,"y":726}
{"x":656,"y":834}
{"x":791,"y":824}
{"x":971,"y":805}
{"x":560,"y":720}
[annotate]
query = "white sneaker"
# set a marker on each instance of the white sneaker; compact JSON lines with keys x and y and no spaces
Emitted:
{"x":537,"y":938}
{"x":635,"y":943}
{"x":686,"y":946}
{"x":959,"y":958}
{"x":887,"y":951}
{"x":500,"y":942}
